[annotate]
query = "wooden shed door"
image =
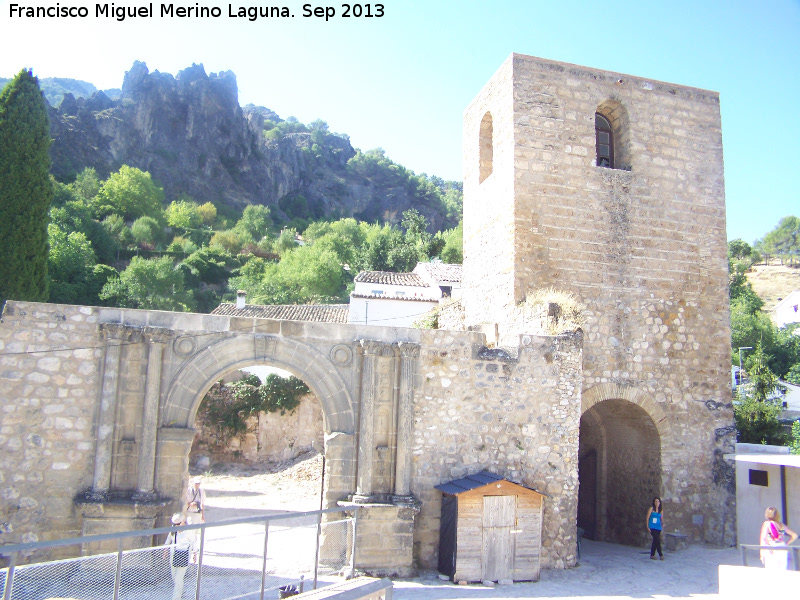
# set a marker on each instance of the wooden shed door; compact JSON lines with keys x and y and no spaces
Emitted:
{"x":499,"y":519}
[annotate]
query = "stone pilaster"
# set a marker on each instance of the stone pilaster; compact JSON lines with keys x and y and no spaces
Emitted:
{"x":112,"y":336}
{"x":370,"y":350}
{"x":409,"y":353}
{"x":145,"y":483}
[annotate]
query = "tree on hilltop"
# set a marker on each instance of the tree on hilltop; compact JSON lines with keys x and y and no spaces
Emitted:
{"x":25,"y":190}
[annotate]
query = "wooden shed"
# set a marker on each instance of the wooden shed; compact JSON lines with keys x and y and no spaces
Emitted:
{"x":491,"y":529}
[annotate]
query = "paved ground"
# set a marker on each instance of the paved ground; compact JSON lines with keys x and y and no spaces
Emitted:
{"x":606,"y":571}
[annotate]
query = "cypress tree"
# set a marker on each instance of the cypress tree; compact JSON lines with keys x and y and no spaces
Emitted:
{"x":25,"y":190}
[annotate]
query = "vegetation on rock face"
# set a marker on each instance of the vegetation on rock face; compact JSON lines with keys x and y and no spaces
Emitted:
{"x":25,"y":190}
{"x":751,"y":326}
{"x":783,"y":241}
{"x":769,"y":353}
{"x":229,"y":405}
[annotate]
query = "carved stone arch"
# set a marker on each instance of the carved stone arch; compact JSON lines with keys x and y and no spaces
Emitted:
{"x":196,"y":376}
{"x":617,"y":115}
{"x":613,"y":391}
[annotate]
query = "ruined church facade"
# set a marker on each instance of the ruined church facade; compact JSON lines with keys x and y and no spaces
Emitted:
{"x":611,"y":187}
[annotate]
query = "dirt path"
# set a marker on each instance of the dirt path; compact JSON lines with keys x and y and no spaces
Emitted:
{"x":239,"y":490}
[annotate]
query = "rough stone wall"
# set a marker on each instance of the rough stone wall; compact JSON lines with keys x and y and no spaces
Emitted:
{"x":643,"y":246}
{"x":270,"y":437}
{"x":47,"y":407}
{"x":517,"y":416}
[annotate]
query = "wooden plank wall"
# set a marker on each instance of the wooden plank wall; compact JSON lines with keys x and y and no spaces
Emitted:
{"x":527,"y":535}
{"x":529,"y":538}
{"x":469,"y":538}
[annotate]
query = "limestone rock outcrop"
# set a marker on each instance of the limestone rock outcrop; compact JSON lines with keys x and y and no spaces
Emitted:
{"x":191,"y":134}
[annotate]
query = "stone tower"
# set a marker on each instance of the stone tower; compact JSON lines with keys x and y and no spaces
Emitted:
{"x":611,"y":187}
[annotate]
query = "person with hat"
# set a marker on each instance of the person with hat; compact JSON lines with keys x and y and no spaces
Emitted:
{"x":196,"y":500}
{"x":180,"y":545}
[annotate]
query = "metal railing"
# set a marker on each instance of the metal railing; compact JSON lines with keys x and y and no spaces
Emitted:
{"x":794,"y":551}
{"x":254,"y":557}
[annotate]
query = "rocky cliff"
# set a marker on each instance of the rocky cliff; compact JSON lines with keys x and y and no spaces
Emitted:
{"x":191,"y":134}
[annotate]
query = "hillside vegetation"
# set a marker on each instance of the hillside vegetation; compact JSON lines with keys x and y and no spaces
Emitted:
{"x":773,"y":282}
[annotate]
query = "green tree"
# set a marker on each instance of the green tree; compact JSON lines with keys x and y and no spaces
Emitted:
{"x":285,"y":241}
{"x":312,"y":273}
{"x":77,"y":216}
{"x":87,"y":184}
{"x":793,"y":376}
{"x":784,"y":240}
{"x":255,"y":222}
{"x":183,"y":214}
{"x":453,"y":251}
{"x":146,"y":230}
{"x":758,"y":422}
{"x":231,"y":241}
{"x":794,"y":446}
{"x":153,"y":284}
{"x":210,"y":265}
{"x":762,"y":380}
{"x":70,"y":267}
{"x":25,"y":190}
{"x":131,"y":193}
{"x":208,"y":213}
{"x":118,"y":230}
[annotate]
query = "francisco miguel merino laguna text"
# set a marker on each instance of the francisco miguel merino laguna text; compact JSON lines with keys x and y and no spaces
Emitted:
{"x":251,"y":13}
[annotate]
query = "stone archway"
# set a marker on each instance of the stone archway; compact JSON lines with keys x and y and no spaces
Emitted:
{"x":619,"y":462}
{"x":190,"y":383}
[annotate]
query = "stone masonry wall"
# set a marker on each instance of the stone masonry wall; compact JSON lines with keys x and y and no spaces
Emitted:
{"x":643,"y":246}
{"x":516,"y":416}
{"x":513,"y":412}
{"x":270,"y":437}
{"x":47,"y":435}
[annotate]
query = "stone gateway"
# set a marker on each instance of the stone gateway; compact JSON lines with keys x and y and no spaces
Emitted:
{"x":600,"y":184}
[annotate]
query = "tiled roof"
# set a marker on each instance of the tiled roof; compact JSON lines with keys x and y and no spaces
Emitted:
{"x":390,"y":297}
{"x":442,"y":271}
{"x":323,"y":313}
{"x":389,"y":278}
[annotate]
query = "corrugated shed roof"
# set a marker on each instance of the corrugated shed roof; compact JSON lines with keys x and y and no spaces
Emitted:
{"x":471,"y":482}
{"x":442,"y":271}
{"x":323,"y":313}
{"x":389,"y":278}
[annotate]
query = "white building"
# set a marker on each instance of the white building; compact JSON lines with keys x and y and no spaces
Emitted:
{"x":765,"y":476}
{"x":391,"y":299}
{"x":399,"y":299}
{"x":447,"y":277}
{"x":787,"y":310}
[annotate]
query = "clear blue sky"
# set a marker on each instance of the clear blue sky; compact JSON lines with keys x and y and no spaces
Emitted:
{"x":402,"y":81}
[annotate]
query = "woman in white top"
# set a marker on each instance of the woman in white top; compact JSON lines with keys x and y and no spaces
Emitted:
{"x":181,"y":545}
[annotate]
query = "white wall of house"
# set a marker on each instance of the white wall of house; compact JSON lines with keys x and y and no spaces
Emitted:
{"x":788,"y":310}
{"x":388,"y":312}
{"x":752,"y":499}
{"x":402,"y":291}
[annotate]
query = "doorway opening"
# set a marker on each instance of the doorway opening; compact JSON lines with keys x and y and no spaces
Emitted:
{"x":619,"y":471}
{"x":259,"y":444}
